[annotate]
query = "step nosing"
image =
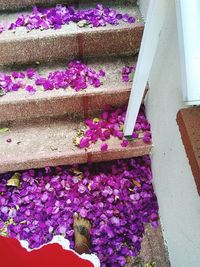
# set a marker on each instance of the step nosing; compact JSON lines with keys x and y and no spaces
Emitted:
{"x":24,"y":37}
{"x":137,"y":145}
{"x":26,"y":98}
{"x":55,"y":159}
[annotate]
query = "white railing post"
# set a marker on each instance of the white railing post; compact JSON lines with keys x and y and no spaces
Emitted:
{"x":188,"y":22}
{"x":155,"y":19}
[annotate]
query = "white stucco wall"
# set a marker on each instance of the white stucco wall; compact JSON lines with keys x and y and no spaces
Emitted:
{"x":143,"y":4}
{"x":173,"y":180}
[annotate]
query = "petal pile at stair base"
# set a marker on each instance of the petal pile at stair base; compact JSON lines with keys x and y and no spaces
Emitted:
{"x":117,"y":197}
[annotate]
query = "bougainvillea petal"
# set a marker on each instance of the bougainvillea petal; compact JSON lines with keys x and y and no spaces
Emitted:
{"x":124,"y":143}
{"x":30,"y":89}
{"x":104,"y":147}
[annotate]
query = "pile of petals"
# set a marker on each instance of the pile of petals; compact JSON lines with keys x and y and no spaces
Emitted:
{"x":117,"y":197}
{"x":47,"y":18}
{"x":111,"y":124}
{"x":126,"y":72}
{"x":77,"y":75}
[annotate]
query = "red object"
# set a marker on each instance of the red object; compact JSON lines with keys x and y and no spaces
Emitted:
{"x":12,"y":254}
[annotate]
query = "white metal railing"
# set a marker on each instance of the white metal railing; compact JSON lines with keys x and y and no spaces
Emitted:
{"x":188,"y":21}
{"x":153,"y":26}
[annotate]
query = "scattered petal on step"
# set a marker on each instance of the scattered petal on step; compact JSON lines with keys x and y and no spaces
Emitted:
{"x":30,"y":89}
{"x":126,"y":72}
{"x":147,"y":137}
{"x":124,"y":143}
{"x":104,"y":147}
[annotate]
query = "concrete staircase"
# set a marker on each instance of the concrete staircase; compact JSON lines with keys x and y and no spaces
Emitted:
{"x":42,"y":126}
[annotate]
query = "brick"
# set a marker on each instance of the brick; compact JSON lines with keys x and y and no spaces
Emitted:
{"x":189,"y":124}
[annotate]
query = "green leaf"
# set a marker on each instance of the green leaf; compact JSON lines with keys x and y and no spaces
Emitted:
{"x":14,"y":180}
{"x":82,"y":23}
{"x":96,"y":120}
{"x":4,"y":130}
{"x":121,"y":128}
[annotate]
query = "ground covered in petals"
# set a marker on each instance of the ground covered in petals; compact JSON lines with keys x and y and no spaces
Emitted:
{"x":117,"y":197}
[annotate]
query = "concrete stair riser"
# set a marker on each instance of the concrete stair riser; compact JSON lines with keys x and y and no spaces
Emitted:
{"x":83,"y":104}
{"x":63,"y":44}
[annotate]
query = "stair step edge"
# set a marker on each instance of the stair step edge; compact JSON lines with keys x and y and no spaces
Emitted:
{"x":49,"y":142}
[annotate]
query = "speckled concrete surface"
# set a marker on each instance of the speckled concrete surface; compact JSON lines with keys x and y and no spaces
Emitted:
{"x":153,"y":250}
{"x":49,"y":142}
{"x":70,"y":41}
{"x":18,"y":4}
{"x":23,"y":105}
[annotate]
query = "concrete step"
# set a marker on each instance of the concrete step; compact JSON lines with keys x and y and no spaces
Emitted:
{"x":22,"y":105}
{"x":70,"y":41}
{"x":49,"y":142}
{"x":153,"y":250}
{"x":19,"y":4}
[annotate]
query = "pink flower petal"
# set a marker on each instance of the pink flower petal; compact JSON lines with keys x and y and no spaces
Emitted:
{"x":104,"y":147}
